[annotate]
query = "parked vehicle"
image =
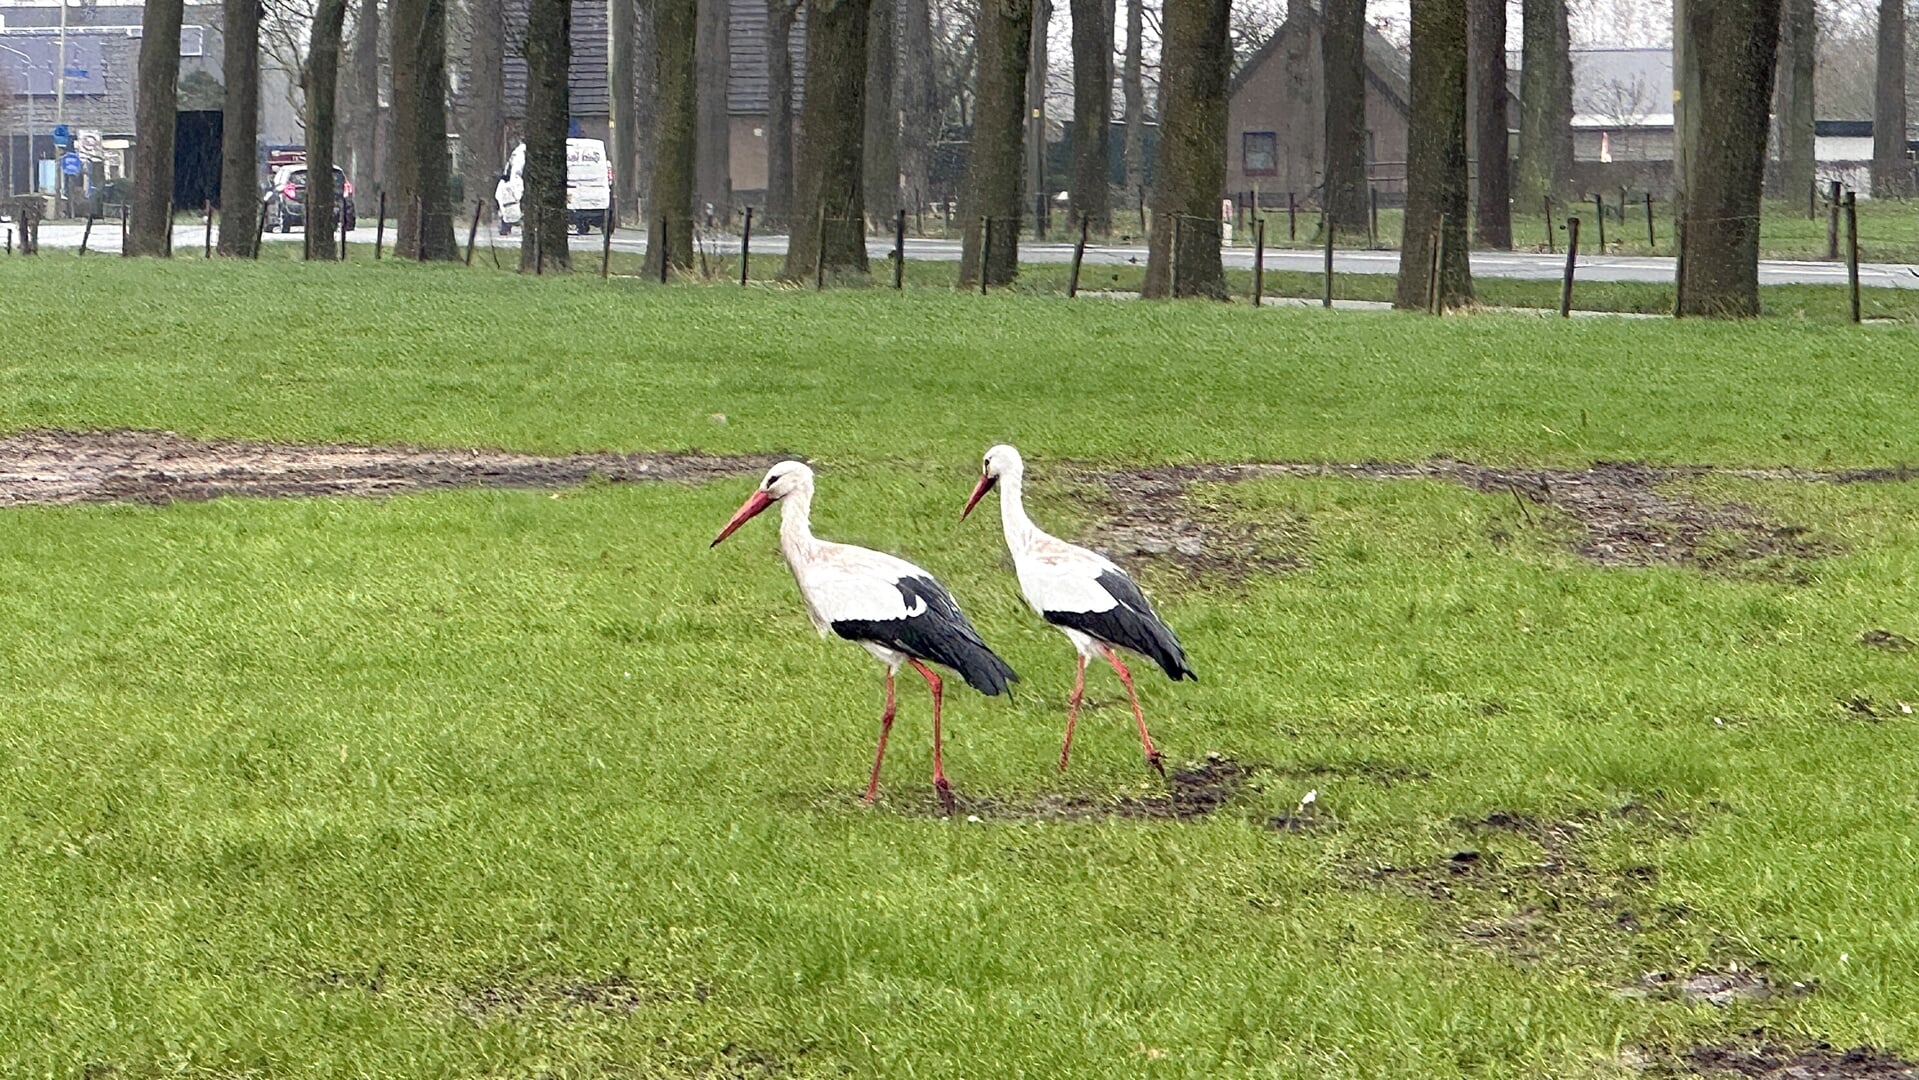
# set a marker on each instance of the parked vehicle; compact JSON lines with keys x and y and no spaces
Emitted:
{"x":589,"y":186}
{"x":286,"y":199}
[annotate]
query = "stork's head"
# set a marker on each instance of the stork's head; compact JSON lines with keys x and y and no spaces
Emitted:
{"x":1001,"y":460}
{"x":784,"y":479}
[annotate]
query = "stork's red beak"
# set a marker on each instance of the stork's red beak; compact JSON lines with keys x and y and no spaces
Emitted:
{"x":979,"y":492}
{"x":759,"y":501}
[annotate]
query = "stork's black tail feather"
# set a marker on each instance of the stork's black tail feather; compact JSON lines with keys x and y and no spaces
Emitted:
{"x":939,"y":634}
{"x":1132,"y":625}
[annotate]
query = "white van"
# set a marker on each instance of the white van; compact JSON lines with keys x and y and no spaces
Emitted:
{"x":589,"y":186}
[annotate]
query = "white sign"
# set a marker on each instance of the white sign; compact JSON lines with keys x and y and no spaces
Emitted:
{"x":88,"y":144}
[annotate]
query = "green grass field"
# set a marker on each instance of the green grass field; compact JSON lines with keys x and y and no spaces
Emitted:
{"x":531,"y":783}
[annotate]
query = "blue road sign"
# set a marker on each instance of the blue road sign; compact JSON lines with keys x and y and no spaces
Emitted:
{"x":62,"y":135}
{"x":70,"y":163}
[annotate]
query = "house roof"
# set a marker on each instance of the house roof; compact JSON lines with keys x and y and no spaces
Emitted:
{"x":746,"y":81}
{"x":1386,"y":65}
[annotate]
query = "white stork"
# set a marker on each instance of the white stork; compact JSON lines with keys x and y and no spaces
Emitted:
{"x":1083,"y":594}
{"x":893,"y":608}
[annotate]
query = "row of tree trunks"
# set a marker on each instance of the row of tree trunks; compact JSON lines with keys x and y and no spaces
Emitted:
{"x":919,"y":102}
{"x":322,"y":79}
{"x":549,"y":53}
{"x":1735,"y":42}
{"x":1891,"y":171}
{"x":421,"y":163}
{"x":669,"y":229}
{"x":1493,"y":220}
{"x":829,"y":218}
{"x":1342,"y":51}
{"x":365,"y":122}
{"x":713,"y":181}
{"x":239,"y":167}
{"x":1792,"y":177}
{"x":1132,"y":87}
{"x":1092,"y":110}
{"x":779,"y":111}
{"x":881,"y":168}
{"x":1545,"y":101}
{"x":990,"y":195}
{"x":484,"y":123}
{"x":1436,"y":185}
{"x":150,"y":221}
{"x":1183,"y":254}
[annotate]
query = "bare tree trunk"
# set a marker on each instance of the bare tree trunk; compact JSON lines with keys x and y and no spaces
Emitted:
{"x":421,"y":164}
{"x":646,"y":103}
{"x":363,"y":78}
{"x":1793,"y":103}
{"x":1038,"y":188}
{"x":1133,"y":87}
{"x":240,"y":143}
{"x":676,"y":131}
{"x":919,"y":100}
{"x":1436,"y":185}
{"x":1195,"y":70}
{"x":1492,"y":144}
{"x":549,"y":53}
{"x":1092,"y":113}
{"x":150,"y":220}
{"x":990,"y":196}
{"x":712,"y":171}
{"x":1736,"y":42}
{"x":483,"y":157}
{"x":323,"y":98}
{"x":881,"y":168}
{"x":1891,"y":171}
{"x":779,"y":111}
{"x":829,"y":191}
{"x":1545,"y":101}
{"x":1343,"y":59}
{"x":623,"y":92}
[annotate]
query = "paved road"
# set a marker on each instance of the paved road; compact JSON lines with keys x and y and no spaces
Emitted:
{"x":189,"y":238}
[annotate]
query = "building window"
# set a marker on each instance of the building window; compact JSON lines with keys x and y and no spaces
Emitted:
{"x":1259,"y":153}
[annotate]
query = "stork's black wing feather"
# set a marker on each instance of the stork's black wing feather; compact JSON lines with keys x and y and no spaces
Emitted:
{"x":1131,"y":624}
{"x":939,"y":634}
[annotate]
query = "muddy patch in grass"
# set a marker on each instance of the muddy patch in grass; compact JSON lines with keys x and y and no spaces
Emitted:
{"x":51,"y":467}
{"x":1620,"y":514}
{"x":1765,"y":1060}
{"x":1195,"y":790}
{"x":1887,"y":640}
{"x":1720,"y":987}
{"x":616,"y":993}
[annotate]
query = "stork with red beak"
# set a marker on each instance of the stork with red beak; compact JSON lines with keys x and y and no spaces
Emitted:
{"x":1083,"y":594}
{"x":896,"y":610}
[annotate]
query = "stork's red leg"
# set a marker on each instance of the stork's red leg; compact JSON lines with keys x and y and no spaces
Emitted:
{"x":1145,"y":740}
{"x":939,"y":769}
{"x":1072,"y":709}
{"x":886,"y":728}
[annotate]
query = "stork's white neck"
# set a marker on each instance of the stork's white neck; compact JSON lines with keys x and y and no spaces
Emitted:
{"x":1021,"y":533}
{"x":796,"y":524}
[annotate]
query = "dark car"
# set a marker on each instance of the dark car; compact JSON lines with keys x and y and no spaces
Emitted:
{"x":286,"y":201}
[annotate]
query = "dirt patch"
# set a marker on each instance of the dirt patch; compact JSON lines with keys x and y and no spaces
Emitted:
{"x":616,"y":993}
{"x":1721,"y":987}
{"x":1768,"y":1061}
{"x":1622,"y":514}
{"x":51,"y":467}
{"x":1195,"y":791}
{"x":1887,"y":640}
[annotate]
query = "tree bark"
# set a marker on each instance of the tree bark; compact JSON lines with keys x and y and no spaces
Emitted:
{"x":549,"y":53}
{"x":676,"y":128}
{"x":1195,"y":72}
{"x":1038,"y":187}
{"x":1092,"y":113}
{"x":1436,"y":184}
{"x":1736,"y":43}
{"x":363,"y":78}
{"x":1492,"y":144}
{"x":1792,"y":179}
{"x":1891,"y":171}
{"x":1133,"y":88}
{"x":919,"y":103}
{"x":713,"y":177}
{"x":623,"y":94}
{"x":1343,"y":59}
{"x":240,"y":141}
{"x":646,"y":102}
{"x":881,"y":168}
{"x":828,"y":188}
{"x":779,"y":111}
{"x":1545,"y":101}
{"x":150,"y":220}
{"x":990,"y":196}
{"x":323,"y":98}
{"x":483,"y":157}
{"x":421,"y":164}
